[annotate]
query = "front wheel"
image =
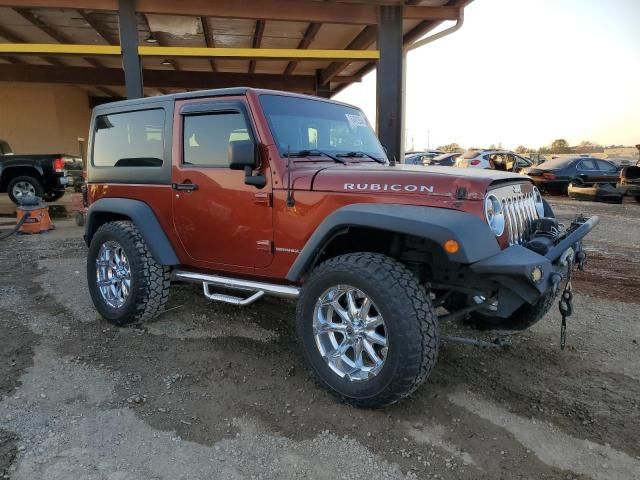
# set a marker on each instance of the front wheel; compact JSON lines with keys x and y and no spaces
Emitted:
{"x":637,"y":197}
{"x":125,"y":282}
{"x":368,"y":330}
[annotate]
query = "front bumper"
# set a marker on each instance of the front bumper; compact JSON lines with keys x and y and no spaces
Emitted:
{"x":524,"y":275}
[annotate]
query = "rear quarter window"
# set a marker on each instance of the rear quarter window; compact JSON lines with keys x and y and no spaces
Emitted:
{"x":129,"y":139}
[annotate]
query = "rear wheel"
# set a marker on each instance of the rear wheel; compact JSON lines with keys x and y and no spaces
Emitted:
{"x":24,"y":188}
{"x":367,"y":329}
{"x":637,"y":197}
{"x":126,"y":283}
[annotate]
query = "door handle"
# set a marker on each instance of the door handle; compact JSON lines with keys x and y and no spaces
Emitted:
{"x":189,"y":187}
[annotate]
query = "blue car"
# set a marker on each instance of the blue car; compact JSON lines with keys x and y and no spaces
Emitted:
{"x":557,"y":174}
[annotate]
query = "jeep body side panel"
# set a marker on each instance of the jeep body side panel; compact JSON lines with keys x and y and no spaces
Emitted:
{"x":437,"y":224}
{"x":143,"y":217}
{"x":132,"y":174}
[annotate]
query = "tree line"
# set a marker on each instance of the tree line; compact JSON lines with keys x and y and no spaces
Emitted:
{"x":559,"y":145}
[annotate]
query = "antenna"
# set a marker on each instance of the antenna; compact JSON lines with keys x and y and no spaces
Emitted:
{"x":290,"y":201}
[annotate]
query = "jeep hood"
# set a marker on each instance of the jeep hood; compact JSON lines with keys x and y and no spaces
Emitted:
{"x":459,"y":183}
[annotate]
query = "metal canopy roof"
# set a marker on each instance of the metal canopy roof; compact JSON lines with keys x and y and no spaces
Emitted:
{"x":303,"y":45}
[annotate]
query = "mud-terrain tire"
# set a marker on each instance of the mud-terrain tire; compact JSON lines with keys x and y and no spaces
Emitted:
{"x":149,"y":281}
{"x":410,"y":327}
{"x":24,"y":184}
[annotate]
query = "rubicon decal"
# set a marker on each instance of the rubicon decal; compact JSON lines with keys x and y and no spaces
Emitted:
{"x":388,"y":187}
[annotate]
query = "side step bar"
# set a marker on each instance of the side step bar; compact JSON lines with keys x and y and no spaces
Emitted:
{"x":255,"y":289}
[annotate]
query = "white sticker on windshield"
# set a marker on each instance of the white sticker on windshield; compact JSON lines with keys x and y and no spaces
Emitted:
{"x":356,"y":120}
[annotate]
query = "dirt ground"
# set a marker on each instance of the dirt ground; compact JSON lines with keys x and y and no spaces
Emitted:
{"x":213,"y":391}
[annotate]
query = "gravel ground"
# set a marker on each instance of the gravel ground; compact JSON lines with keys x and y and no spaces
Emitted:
{"x":212,"y":391}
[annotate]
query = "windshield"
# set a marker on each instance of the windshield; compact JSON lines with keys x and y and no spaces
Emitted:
{"x":301,"y":124}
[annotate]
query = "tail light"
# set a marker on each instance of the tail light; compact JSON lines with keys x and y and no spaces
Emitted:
{"x":549,"y":176}
{"x":474,"y":162}
{"x":58,"y":165}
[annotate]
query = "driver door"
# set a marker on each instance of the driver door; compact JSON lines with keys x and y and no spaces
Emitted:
{"x":219,"y":219}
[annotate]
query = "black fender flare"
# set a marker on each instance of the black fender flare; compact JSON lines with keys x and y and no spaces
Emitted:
{"x":474,"y":236}
{"x":143,"y":217}
{"x":4,"y":169}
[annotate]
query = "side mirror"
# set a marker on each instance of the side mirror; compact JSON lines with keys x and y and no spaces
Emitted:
{"x":241,"y":154}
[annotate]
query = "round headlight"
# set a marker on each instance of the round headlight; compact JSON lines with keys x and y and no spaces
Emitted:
{"x":537,"y":198}
{"x":494,"y":214}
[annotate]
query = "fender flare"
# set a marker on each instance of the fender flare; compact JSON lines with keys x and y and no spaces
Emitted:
{"x":4,"y":169}
{"x":474,"y":236}
{"x":143,"y":217}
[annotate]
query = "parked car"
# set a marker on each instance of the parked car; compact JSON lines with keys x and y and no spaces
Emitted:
{"x":29,"y":176}
{"x":75,"y":173}
{"x":536,"y":158}
{"x":504,"y":160}
{"x":421,"y":158}
{"x":235,"y":193}
{"x":444,"y":160}
{"x":557,"y":174}
{"x":630,"y":181}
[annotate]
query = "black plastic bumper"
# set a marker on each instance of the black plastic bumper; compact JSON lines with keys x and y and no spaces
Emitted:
{"x":514,"y":268}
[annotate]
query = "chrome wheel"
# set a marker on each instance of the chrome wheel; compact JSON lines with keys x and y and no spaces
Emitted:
{"x":22,"y":190}
{"x":350,"y":333}
{"x":113,"y":274}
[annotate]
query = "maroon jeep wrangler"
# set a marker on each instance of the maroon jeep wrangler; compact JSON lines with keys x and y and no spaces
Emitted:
{"x":252,"y":192}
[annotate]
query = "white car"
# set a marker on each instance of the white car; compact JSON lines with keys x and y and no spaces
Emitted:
{"x":493,"y":159}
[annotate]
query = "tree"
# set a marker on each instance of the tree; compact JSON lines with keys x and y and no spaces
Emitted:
{"x":587,"y":146}
{"x":560,"y":145}
{"x":522,"y":149}
{"x":451,"y":148}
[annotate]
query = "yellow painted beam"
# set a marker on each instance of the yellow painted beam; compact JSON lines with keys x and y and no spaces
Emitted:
{"x":58,"y":48}
{"x":255,"y":53}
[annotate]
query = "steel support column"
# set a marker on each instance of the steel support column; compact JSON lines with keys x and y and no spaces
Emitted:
{"x":390,"y":81}
{"x":129,"y":44}
{"x":323,"y":91}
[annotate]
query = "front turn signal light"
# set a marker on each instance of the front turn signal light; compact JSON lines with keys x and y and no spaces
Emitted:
{"x":451,"y":246}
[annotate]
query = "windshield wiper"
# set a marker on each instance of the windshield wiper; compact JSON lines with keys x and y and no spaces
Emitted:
{"x":307,"y":153}
{"x":363,"y":154}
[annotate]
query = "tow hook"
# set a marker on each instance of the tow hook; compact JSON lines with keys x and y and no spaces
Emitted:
{"x":565,"y":304}
{"x":566,"y":309}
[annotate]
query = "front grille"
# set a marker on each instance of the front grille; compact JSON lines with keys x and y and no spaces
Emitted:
{"x":519,"y":211}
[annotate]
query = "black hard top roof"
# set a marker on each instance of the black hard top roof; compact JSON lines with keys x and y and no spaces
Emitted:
{"x":217,"y":92}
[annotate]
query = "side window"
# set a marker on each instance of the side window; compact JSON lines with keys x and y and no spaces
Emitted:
{"x":587,"y":164}
{"x":606,"y":167}
{"x":206,"y":137}
{"x":130,"y":139}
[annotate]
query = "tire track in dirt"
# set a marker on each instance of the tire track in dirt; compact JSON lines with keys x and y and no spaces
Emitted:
{"x":613,"y":276}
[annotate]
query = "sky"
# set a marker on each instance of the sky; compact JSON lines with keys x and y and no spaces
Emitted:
{"x":524,"y":72}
